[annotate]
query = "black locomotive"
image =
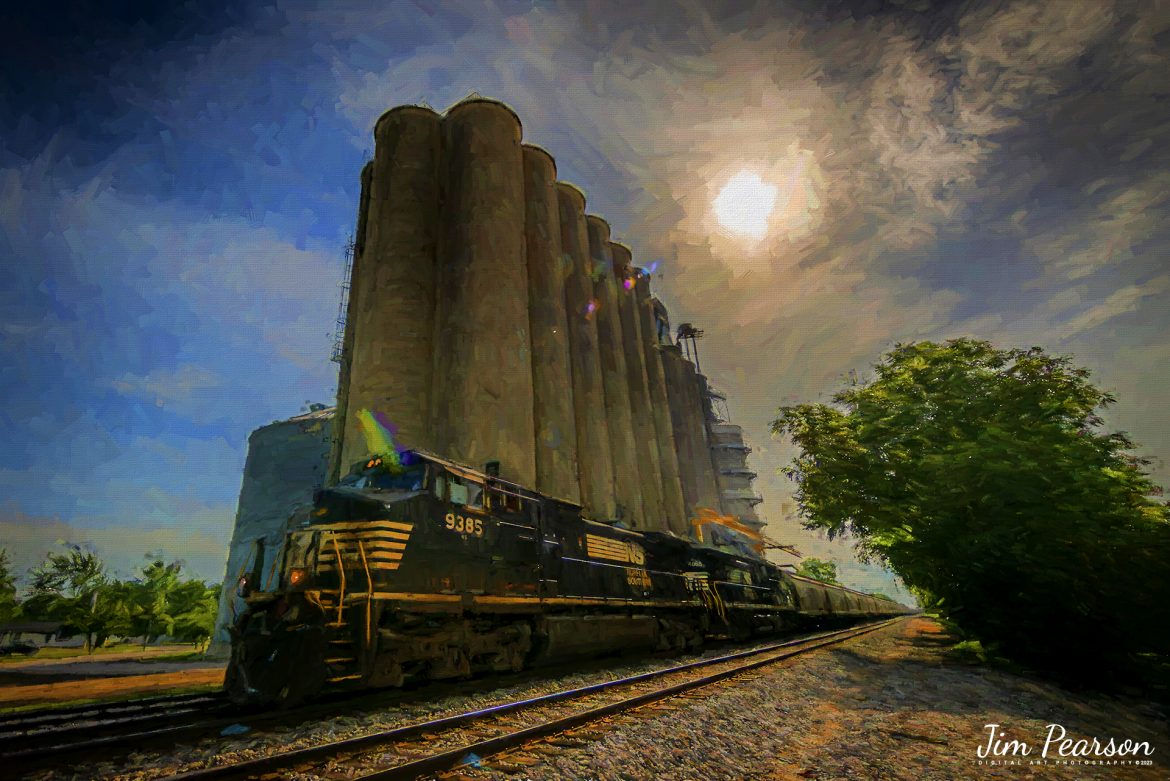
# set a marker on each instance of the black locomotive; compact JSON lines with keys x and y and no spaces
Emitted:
{"x":426,"y":569}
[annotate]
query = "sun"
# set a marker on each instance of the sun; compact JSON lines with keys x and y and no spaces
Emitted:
{"x":745,"y":203}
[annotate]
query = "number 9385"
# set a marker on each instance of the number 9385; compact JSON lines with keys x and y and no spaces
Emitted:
{"x":461,"y":525}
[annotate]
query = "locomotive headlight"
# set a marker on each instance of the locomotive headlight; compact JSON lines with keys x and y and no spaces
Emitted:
{"x":296,"y":576}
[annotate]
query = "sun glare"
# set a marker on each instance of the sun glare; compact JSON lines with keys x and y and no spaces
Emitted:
{"x":745,"y":204}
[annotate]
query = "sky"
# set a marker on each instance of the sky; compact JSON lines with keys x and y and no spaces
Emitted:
{"x":178,"y":183}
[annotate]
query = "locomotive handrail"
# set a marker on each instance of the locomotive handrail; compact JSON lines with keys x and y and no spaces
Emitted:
{"x":340,"y":573}
{"x":370,"y":589}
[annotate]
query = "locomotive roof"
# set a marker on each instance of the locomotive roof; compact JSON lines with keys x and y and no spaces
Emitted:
{"x":466,"y":471}
{"x":612,"y":527}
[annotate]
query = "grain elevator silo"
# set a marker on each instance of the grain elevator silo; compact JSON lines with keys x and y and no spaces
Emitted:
{"x":482,"y":406}
{"x":388,"y":360}
{"x":595,"y":463}
{"x":489,"y":319}
{"x":613,"y":373}
{"x":673,"y":505}
{"x":552,"y":379}
{"x":642,"y":416}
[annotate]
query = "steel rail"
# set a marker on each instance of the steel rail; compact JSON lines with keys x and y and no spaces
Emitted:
{"x":33,"y":750}
{"x":81,"y":732}
{"x":35,"y":719}
{"x":465,"y":755}
{"x":454,"y":758}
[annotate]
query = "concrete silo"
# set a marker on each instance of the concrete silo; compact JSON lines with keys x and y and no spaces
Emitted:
{"x":552,"y":378}
{"x":392,"y":294}
{"x":645,"y":435}
{"x":673,"y":505}
{"x":694,"y":457}
{"x":483,"y":399}
{"x":594,"y":461}
{"x":696,"y":385}
{"x":626,"y":476}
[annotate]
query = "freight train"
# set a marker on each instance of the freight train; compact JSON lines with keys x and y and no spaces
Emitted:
{"x":414,"y":567}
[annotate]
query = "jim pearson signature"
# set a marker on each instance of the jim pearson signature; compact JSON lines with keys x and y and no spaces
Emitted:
{"x":1058,"y":744}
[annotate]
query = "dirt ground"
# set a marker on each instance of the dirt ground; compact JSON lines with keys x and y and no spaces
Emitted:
{"x":119,"y":688}
{"x":106,"y":676}
{"x":890,"y":706}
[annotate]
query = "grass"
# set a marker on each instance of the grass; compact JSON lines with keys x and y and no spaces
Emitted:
{"x":968,"y":652}
{"x":181,"y":656}
{"x":40,"y":705}
{"x":69,"y":653}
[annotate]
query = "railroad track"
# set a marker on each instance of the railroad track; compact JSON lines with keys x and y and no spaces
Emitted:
{"x":35,"y":720}
{"x":28,"y":737}
{"x":48,"y":737}
{"x":33,"y":731}
{"x":438,"y":745}
{"x":37,"y":740}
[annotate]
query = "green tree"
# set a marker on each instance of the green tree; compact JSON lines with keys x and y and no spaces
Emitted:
{"x":818,"y":569}
{"x":983,"y":478}
{"x":194,"y":605}
{"x":152,"y":595}
{"x":113,"y":613}
{"x":9,"y":608}
{"x":69,"y":587}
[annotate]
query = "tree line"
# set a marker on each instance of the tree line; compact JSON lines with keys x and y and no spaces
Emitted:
{"x":986,"y":480}
{"x":74,"y":587}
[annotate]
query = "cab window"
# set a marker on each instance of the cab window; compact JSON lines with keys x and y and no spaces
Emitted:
{"x":408,"y":479}
{"x":740,"y":576}
{"x":464,"y":492}
{"x":503,"y":500}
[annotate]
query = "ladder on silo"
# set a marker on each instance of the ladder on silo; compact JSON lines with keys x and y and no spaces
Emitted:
{"x":343,"y":304}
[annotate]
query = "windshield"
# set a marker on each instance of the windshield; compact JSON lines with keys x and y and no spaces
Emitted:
{"x":382,"y":478}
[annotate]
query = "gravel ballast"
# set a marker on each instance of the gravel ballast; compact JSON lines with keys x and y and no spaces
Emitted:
{"x":889,"y":705}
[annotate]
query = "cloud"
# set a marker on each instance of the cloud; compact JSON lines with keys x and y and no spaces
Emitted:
{"x":991,"y":170}
{"x":1118,"y":303}
{"x":168,"y":386}
{"x":201,"y":545}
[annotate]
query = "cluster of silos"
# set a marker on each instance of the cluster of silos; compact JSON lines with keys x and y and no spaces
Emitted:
{"x":491,"y":319}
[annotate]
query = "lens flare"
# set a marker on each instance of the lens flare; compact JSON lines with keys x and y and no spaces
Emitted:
{"x":379,"y":433}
